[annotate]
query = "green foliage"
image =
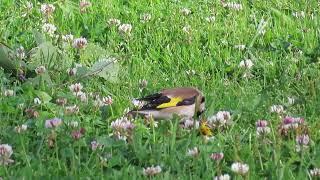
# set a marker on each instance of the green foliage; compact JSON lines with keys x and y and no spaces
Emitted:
{"x":284,"y":50}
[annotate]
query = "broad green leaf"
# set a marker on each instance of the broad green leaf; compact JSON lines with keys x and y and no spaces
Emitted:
{"x":7,"y":61}
{"x":107,"y":69}
{"x":45,"y":54}
{"x":45,"y":97}
{"x":92,"y":53}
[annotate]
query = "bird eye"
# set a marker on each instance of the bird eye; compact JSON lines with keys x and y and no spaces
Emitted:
{"x":203,"y":99}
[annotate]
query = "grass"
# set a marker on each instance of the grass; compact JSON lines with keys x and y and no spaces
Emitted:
{"x":286,"y":64}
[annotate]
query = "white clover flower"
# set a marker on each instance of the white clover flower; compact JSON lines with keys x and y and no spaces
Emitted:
{"x":40,"y":70}
{"x":8,"y":92}
{"x":122,"y":124}
{"x":263,"y":130}
{"x":84,"y":4}
{"x":72,"y":71}
{"x":247,"y":64}
{"x":47,"y":9}
{"x":222,"y":177}
{"x":80,"y":43}
{"x":146,"y":17}
{"x":95,"y":145}
{"x":291,"y":100}
{"x":151,"y":171}
{"x":82,"y":96}
{"x":185,"y":11}
{"x":75,"y":87}
{"x":193,"y":152}
{"x":74,"y":124}
{"x":125,"y":29}
{"x":36,"y":101}
{"x":137,"y":103}
{"x":20,"y":52}
{"x":114,"y":22}
{"x":240,"y":168}
{"x":98,"y":103}
{"x":5,"y":154}
{"x":52,"y":123}
{"x":189,"y":123}
{"x":71,"y":109}
{"x":107,"y":100}
{"x":277,"y":109}
{"x":210,"y":19}
{"x":315,"y":172}
{"x":187,"y":29}
{"x":240,"y":46}
{"x":190,"y":72}
{"x":300,"y":14}
{"x":221,"y":118}
{"x":232,"y":5}
{"x":20,"y":129}
{"x":67,"y":38}
{"x":49,"y":29}
{"x":303,"y":139}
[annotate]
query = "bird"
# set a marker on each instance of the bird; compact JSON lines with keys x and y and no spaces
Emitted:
{"x":186,"y":102}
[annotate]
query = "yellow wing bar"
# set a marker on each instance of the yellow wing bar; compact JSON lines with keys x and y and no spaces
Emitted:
{"x":173,"y":102}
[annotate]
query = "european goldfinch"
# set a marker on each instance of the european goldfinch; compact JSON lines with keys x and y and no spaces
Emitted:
{"x":185,"y":102}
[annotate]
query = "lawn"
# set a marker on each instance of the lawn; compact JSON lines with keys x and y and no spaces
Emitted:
{"x":71,"y":69}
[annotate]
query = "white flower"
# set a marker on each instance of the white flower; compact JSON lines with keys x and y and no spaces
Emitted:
{"x":20,"y":52}
{"x":28,"y":5}
{"x":151,"y":171}
{"x":47,"y":9}
{"x":5,"y":154}
{"x":185,"y":11}
{"x":189,"y":123}
{"x":49,"y":29}
{"x":8,"y":92}
{"x":146,"y":17}
{"x":291,"y":100}
{"x":72,"y":71}
{"x":80,"y":43}
{"x":240,"y":46}
{"x":71,"y":109}
{"x":67,"y":38}
{"x":221,"y":118}
{"x":193,"y":152}
{"x":52,"y":123}
{"x":122,"y":124}
{"x":125,"y":29}
{"x":40,"y":70}
{"x":114,"y":22}
{"x":222,"y":177}
{"x":74,"y":124}
{"x":138,"y":104}
{"x":303,"y":139}
{"x":210,"y":19}
{"x":315,"y":172}
{"x":20,"y":129}
{"x":240,"y":168}
{"x":84,"y":4}
{"x":82,"y":96}
{"x":75,"y":87}
{"x":232,"y":5}
{"x":263,"y":130}
{"x":300,"y":14}
{"x":186,"y":29}
{"x":247,"y":63}
{"x":107,"y":100}
{"x":277,"y":109}
{"x":98,"y":103}
{"x":190,"y":72}
{"x":36,"y":101}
